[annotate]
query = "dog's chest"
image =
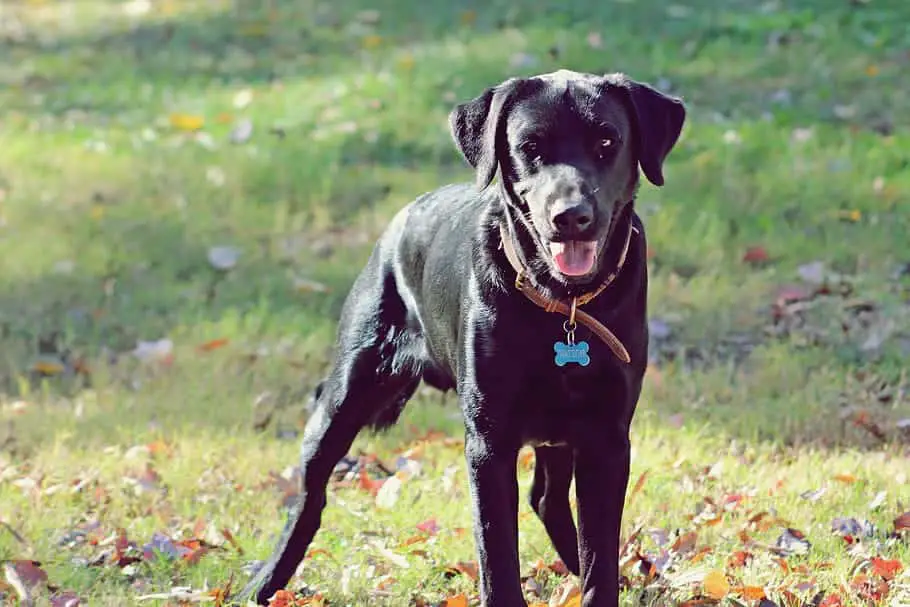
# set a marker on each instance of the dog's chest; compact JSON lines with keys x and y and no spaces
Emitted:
{"x":560,"y":403}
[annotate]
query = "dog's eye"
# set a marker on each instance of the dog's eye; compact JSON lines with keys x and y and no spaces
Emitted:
{"x":530,"y":148}
{"x":604,"y":147}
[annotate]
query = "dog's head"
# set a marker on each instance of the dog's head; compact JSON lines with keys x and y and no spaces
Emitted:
{"x":567,"y":146}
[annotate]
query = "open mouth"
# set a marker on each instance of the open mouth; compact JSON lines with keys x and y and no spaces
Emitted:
{"x":574,"y":257}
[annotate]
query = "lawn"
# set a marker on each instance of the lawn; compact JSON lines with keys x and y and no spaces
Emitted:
{"x":189,"y":187}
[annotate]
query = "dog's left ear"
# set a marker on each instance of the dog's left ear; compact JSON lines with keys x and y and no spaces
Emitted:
{"x":477,"y":127}
{"x":659,"y":120}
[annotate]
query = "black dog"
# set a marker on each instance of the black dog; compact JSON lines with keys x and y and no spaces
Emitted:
{"x":480,"y":289}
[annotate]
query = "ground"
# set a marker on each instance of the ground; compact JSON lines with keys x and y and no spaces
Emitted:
{"x":188,"y":188}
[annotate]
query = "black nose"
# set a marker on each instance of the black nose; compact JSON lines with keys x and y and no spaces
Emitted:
{"x":572,"y":217}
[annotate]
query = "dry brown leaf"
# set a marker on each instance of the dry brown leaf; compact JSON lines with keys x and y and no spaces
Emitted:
{"x":467,"y":568}
{"x":902,"y":522}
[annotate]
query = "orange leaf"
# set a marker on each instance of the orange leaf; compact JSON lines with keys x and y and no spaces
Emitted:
{"x":885,"y":569}
{"x":751,"y":593}
{"x":459,"y":600}
{"x":213,"y":344}
{"x":282,"y":598}
{"x":716,"y":584}
{"x":845,"y":477}
{"x":739,"y":559}
{"x":46,"y":367}
{"x":638,"y":485}
{"x":368,"y":484}
{"x":414,"y":539}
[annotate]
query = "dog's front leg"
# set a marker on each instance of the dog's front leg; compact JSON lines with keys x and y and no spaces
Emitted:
{"x":601,"y":476}
{"x":494,"y":497}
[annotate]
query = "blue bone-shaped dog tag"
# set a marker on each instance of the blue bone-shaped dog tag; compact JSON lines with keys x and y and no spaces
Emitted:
{"x":571,"y":353}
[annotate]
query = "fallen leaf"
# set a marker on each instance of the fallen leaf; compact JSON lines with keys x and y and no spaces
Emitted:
{"x":213,"y":344}
{"x":739,"y":559}
{"x":868,"y":588}
{"x":793,"y":541}
{"x":638,"y":486}
{"x":388,"y":493}
{"x":845,"y":477}
{"x":459,"y":600}
{"x":878,"y":501}
{"x":241,"y":132}
{"x":161,"y":350}
{"x":368,"y":484}
{"x":186,"y":122}
{"x":429,"y":526}
{"x":226,"y":533}
{"x":65,"y":599}
{"x":851,"y":216}
{"x":48,"y":367}
{"x":243,"y":98}
{"x":756,"y":255}
{"x":565,"y":594}
{"x":751,"y":593}
{"x":812,"y":273}
{"x":223,"y":257}
{"x":25,"y":577}
{"x":716,"y":585}
{"x":372,"y":41}
{"x":902,"y":521}
{"x":832,"y":600}
{"x":466,"y":568}
{"x":886,"y":569}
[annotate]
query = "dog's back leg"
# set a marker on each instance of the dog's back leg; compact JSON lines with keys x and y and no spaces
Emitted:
{"x":377,"y":366}
{"x":549,"y":497}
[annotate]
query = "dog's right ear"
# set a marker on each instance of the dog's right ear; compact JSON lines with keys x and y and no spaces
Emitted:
{"x":478,"y":128}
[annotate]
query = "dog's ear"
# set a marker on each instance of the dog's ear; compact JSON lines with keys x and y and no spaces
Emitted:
{"x":658,"y":119}
{"x":478,"y":128}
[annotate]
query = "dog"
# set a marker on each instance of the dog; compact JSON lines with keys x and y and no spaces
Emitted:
{"x":526,"y":293}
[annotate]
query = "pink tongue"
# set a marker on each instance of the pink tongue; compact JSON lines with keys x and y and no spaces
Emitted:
{"x":575,"y":257}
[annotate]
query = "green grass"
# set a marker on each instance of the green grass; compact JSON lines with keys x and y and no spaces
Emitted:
{"x":797,"y":142}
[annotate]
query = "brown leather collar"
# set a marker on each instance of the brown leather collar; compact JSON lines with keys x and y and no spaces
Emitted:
{"x":570,"y":309}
